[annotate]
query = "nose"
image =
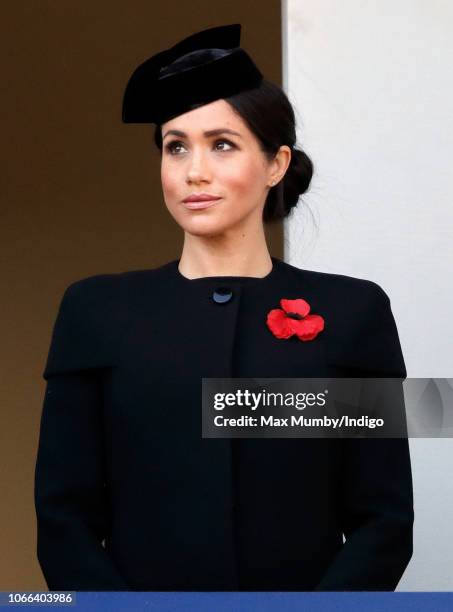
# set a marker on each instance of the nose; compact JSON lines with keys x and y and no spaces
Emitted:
{"x":198,"y":168}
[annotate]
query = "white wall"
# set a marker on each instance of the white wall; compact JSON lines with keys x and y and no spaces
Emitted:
{"x":372,"y":87}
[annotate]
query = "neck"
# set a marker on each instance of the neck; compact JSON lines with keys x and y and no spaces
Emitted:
{"x":242,"y":254}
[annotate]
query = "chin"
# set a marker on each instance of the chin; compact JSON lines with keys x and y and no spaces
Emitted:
{"x":209,"y":225}
{"x":207,"y":231}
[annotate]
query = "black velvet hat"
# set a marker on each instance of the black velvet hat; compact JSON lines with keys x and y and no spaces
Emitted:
{"x":204,"y":67}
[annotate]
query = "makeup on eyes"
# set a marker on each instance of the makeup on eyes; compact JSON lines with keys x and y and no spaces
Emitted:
{"x":169,"y":147}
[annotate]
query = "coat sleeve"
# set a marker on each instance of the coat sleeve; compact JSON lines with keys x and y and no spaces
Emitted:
{"x":376,"y":495}
{"x":71,"y":495}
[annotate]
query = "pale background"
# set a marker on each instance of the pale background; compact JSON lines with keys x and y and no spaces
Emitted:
{"x":373,"y":90}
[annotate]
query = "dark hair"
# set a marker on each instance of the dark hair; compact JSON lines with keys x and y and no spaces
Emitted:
{"x":270,"y":116}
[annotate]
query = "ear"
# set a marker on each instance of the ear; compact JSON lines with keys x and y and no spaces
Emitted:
{"x":279,"y":165}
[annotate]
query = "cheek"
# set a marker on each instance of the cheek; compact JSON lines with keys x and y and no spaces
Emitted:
{"x":172,"y":188}
{"x":169,"y":181}
{"x":244,"y":177}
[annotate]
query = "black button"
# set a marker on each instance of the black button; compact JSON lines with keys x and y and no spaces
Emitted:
{"x":222,"y":295}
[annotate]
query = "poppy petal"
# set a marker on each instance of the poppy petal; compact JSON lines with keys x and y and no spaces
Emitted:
{"x":277,"y":322}
{"x":309,"y":327}
{"x":295,"y":325}
{"x":299,"y":306}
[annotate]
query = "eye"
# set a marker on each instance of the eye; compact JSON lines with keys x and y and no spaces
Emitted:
{"x":174,"y":144}
{"x":228,"y":142}
{"x":170,"y":147}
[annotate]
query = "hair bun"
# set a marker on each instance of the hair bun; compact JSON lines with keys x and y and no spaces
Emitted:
{"x":301,"y":170}
{"x":297,"y":178}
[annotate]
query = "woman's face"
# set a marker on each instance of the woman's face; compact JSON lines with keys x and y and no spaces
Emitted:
{"x":228,"y":166}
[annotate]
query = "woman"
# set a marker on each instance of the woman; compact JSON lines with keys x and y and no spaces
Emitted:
{"x":129,"y":496}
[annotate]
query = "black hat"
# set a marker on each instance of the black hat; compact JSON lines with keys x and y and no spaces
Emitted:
{"x":204,"y":67}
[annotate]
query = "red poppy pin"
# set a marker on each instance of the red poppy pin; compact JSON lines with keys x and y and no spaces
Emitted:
{"x":294,"y":319}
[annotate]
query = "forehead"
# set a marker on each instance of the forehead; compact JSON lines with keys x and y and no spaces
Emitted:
{"x":218,"y":114}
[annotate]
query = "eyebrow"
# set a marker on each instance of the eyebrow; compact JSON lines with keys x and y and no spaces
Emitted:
{"x":216,"y":132}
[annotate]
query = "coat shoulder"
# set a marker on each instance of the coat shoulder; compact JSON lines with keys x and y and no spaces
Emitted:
{"x":91,"y":315}
{"x":338,"y":286}
{"x":117,"y":283}
{"x":361,"y":333}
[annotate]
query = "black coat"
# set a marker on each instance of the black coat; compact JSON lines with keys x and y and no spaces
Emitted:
{"x":128,"y":494}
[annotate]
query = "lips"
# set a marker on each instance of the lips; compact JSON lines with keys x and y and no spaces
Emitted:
{"x":201,"y":197}
{"x":200,"y":204}
{"x":200,"y":201}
